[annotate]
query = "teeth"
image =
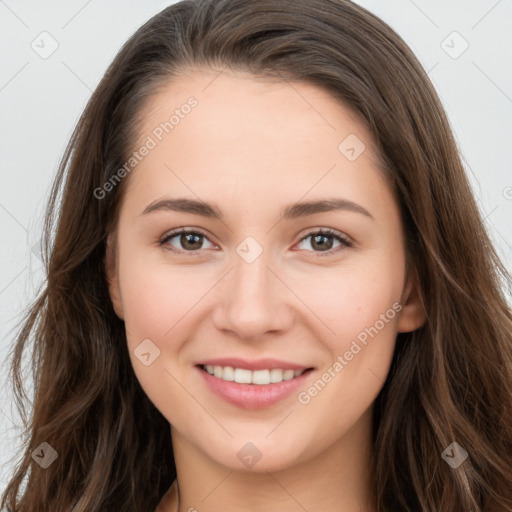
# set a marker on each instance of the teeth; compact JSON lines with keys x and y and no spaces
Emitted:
{"x":260,"y":377}
{"x":241,"y":376}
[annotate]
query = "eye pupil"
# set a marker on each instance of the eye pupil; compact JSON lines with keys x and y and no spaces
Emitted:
{"x":323,"y":247}
{"x":185,"y":240}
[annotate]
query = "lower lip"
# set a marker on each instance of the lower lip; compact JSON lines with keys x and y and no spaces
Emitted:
{"x":253,"y":396}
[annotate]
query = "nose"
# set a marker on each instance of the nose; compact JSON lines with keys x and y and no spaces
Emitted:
{"x":253,"y":300}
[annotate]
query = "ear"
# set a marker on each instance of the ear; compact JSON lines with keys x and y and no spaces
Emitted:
{"x":412,"y":315}
{"x":112,"y":276}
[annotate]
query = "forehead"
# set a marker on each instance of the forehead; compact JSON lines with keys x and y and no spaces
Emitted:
{"x":245,"y":133}
{"x":262,"y":106}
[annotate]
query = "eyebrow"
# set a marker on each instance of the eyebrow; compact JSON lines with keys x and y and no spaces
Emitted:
{"x":293,"y":211}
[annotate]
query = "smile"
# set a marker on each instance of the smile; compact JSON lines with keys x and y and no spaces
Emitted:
{"x":253,"y":389}
{"x":259,"y":377}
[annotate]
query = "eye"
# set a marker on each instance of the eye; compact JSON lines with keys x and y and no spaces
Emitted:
{"x":322,"y":240}
{"x":190,"y":240}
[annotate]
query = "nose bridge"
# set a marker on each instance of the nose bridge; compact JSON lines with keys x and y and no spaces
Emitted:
{"x":252,"y":280}
{"x":252,"y":274}
{"x":251,"y":262}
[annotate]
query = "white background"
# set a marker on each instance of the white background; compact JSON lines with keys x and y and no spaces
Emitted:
{"x":41,"y":100}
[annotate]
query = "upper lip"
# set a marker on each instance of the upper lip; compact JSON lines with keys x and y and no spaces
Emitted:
{"x":257,"y":364}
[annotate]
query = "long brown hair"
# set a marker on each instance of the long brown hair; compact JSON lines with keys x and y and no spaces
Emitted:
{"x":450,"y":380}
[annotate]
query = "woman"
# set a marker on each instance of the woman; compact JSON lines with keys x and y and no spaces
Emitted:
{"x":270,"y":286}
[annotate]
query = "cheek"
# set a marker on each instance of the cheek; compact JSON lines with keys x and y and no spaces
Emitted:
{"x":156,"y":302}
{"x":155,"y":297}
{"x":348,"y":383}
{"x":361,"y":311}
{"x":352,"y":298}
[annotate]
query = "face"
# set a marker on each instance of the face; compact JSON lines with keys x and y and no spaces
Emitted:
{"x":260,"y":282}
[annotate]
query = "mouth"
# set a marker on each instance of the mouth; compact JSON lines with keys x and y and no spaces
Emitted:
{"x":253,"y":389}
{"x":262,"y":377}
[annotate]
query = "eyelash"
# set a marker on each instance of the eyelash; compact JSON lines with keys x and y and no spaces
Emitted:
{"x":345,"y":242}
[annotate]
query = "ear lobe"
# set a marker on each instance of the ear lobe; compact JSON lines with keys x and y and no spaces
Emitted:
{"x":413,"y":314}
{"x":112,"y":277}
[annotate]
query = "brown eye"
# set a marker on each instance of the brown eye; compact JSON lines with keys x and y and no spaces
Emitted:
{"x":191,"y":241}
{"x":322,"y":241}
{"x":187,"y":241}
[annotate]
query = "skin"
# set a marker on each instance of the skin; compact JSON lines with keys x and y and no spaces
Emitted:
{"x":252,"y":147}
